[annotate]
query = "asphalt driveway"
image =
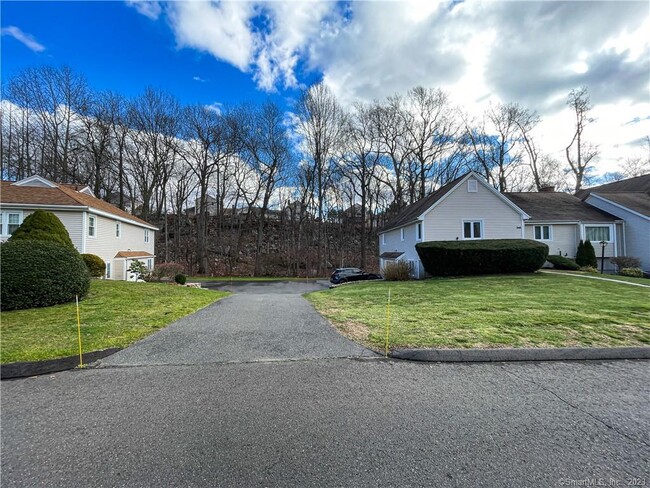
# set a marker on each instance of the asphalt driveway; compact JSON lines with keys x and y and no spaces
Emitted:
{"x":261,"y":321}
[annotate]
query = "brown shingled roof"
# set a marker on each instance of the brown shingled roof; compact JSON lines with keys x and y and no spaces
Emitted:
{"x":63,"y":194}
{"x":556,"y":206}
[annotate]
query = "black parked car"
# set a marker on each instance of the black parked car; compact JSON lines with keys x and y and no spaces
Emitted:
{"x":343,"y":275}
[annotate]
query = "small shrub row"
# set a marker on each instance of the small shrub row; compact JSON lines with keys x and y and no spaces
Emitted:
{"x":166,"y":271}
{"x":560,"y":262}
{"x":626,"y":262}
{"x":396,"y":271}
{"x":489,"y":256}
{"x":633,"y":272}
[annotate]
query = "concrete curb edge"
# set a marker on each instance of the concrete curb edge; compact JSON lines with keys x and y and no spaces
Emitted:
{"x":528,"y":354}
{"x":35,"y":368}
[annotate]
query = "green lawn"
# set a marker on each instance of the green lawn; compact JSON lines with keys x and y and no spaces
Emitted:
{"x":629,"y":279}
{"x":114,"y":314}
{"x":536,"y":310}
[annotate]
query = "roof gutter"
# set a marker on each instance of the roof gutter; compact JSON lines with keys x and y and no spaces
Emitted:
{"x":78,"y":208}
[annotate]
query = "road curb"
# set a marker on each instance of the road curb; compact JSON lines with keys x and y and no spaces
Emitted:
{"x":35,"y":368}
{"x":491,"y":355}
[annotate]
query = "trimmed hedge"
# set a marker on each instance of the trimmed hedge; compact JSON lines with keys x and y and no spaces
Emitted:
{"x":96,"y":265}
{"x":40,"y":274}
{"x":42,"y":226}
{"x":560,"y":262}
{"x":489,"y":256}
{"x":180,"y":278}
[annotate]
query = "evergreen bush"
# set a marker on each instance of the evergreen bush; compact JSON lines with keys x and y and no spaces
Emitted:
{"x":96,"y":265}
{"x":42,"y":226}
{"x":488,"y":256}
{"x":581,"y":258}
{"x":590,"y":255}
{"x":40,"y":273}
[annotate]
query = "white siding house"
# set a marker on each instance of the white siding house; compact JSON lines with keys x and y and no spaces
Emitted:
{"x":466,"y":208}
{"x":636,"y":238}
{"x":95,"y":226}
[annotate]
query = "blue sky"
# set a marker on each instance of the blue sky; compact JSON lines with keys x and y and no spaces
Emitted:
{"x":528,"y":52}
{"x":116,"y":48}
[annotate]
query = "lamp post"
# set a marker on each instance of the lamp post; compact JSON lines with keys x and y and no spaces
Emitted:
{"x":603,"y":245}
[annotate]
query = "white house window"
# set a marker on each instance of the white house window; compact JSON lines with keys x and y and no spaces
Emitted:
{"x":146,"y":235}
{"x":543,"y":233}
{"x":108,"y":270}
{"x":401,"y":234}
{"x":383,"y":238}
{"x":118,"y":229}
{"x":149,"y":263}
{"x":597,"y":233}
{"x":472,"y":186}
{"x":418,"y":231}
{"x":472,"y":229}
{"x":92,"y":226}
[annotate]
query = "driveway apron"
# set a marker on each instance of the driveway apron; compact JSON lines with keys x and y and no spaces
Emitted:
{"x":263,"y":321}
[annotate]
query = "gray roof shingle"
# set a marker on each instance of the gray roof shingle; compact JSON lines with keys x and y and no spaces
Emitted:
{"x":556,"y":206}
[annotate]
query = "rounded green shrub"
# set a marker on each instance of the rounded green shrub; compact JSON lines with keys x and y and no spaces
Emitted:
{"x":40,"y":274}
{"x":96,"y":265}
{"x":488,"y":256}
{"x":42,"y":226}
{"x":180,"y":278}
{"x":560,"y":262}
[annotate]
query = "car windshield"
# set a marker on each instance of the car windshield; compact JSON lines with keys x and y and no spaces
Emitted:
{"x":348,"y":271}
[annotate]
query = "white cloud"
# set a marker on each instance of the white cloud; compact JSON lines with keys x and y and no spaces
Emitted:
{"x":148,"y":8}
{"x":532,"y":53}
{"x":215,"y":107}
{"x":221,"y":29}
{"x":27,"y":39}
{"x":198,"y":78}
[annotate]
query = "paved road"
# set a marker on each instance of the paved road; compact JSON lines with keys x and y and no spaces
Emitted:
{"x":259,"y":322}
{"x":321,"y":422}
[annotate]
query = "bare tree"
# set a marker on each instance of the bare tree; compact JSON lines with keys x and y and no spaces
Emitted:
{"x":433,"y":129}
{"x":264,"y":145}
{"x":580,"y":154}
{"x":208,"y":145}
{"x":320,"y":124}
{"x":360,"y":159}
{"x":495,"y":142}
{"x":154,"y":121}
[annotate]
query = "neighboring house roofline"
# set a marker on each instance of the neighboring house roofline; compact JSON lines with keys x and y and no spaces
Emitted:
{"x":618,"y":205}
{"x":78,"y":208}
{"x":62,"y":196}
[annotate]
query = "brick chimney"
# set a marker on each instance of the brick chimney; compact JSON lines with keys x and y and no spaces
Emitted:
{"x":547,"y":189}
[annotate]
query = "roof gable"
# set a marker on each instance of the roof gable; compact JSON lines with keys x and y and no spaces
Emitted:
{"x":417,"y":210}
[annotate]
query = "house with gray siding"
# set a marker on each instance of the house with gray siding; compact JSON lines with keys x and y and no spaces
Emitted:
{"x":465,"y":208}
{"x":95,"y":226}
{"x":561,"y":221}
{"x":629,"y":200}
